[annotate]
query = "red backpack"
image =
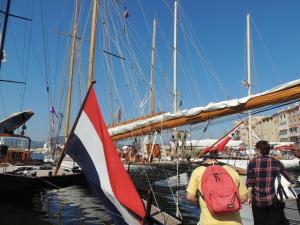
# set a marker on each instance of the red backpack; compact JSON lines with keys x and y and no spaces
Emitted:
{"x":219,"y":190}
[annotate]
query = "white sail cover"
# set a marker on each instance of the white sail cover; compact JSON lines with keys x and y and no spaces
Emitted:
{"x":194,"y":111}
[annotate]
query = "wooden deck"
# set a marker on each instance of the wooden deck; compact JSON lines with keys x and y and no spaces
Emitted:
{"x":162,"y":217}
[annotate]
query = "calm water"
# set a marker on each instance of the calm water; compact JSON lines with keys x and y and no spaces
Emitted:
{"x":78,"y":205}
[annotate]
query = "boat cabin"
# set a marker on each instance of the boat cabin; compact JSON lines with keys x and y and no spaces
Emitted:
{"x":14,"y":148}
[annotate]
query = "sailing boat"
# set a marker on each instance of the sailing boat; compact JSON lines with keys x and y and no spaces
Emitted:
{"x":19,"y":172}
{"x":90,"y":145}
{"x":164,"y":121}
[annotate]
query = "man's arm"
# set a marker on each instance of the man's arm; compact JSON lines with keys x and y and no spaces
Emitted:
{"x":250,"y":180}
{"x":192,"y":198}
{"x":243,"y":193}
{"x":284,"y":172}
{"x":192,"y":188}
{"x":244,"y":198}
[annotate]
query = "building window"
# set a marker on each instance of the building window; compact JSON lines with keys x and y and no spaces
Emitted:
{"x":283,"y":132}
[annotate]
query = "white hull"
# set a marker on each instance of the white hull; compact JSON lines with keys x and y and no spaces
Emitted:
{"x":288,"y":163}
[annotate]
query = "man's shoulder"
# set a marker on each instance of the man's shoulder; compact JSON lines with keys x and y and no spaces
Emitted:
{"x":230,"y":170}
{"x":199,"y":170}
{"x":254,"y":160}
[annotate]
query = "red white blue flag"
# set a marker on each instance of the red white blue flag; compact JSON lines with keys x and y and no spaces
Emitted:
{"x":91,"y":147}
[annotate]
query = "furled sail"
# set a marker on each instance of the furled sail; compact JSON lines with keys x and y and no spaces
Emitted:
{"x":283,"y":93}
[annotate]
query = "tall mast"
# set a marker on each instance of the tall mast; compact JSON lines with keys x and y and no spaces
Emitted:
{"x":249,"y":76}
{"x":151,"y":107}
{"x":175,"y":93}
{"x":175,"y":57}
{"x":71,"y":71}
{"x":92,"y":43}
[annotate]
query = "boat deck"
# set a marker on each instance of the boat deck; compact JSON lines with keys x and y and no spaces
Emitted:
{"x":19,"y":179}
{"x":161,"y":216}
{"x":38,"y":171}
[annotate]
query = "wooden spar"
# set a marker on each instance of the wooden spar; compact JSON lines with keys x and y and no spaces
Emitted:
{"x":116,"y":124}
{"x":175,"y":58}
{"x":92,"y":43}
{"x":249,"y":77}
{"x":71,"y":71}
{"x":271,"y":98}
{"x":151,"y":107}
{"x":204,"y":151}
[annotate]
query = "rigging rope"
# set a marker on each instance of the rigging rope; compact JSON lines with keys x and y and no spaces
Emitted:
{"x":267,"y":51}
{"x":27,"y":63}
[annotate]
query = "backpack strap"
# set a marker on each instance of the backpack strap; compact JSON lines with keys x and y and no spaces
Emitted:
{"x":204,"y":165}
{"x":201,"y":196}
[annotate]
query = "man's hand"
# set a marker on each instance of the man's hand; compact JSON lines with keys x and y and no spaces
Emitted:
{"x":250,"y":201}
{"x":250,"y":196}
{"x":244,"y":198}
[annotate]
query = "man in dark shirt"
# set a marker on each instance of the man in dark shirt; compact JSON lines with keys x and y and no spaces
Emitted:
{"x":261,"y":174}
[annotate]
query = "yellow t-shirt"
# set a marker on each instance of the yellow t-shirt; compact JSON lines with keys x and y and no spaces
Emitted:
{"x":206,"y":218}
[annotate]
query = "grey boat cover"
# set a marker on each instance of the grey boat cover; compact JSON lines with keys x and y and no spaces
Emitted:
{"x":14,"y":121}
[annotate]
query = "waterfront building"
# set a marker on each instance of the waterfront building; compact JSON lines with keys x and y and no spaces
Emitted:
{"x":283,"y":126}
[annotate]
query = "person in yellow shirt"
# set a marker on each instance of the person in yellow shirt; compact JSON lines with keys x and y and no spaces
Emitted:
{"x":194,"y":186}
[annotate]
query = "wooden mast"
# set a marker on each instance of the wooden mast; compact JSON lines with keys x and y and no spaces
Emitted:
{"x":175,"y":133}
{"x":151,"y":107}
{"x":74,"y":34}
{"x":249,"y":77}
{"x":175,"y":96}
{"x":90,"y":83}
{"x":175,"y":58}
{"x":92,"y":43}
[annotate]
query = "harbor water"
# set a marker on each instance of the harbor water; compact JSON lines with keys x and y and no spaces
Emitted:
{"x":79,"y":205}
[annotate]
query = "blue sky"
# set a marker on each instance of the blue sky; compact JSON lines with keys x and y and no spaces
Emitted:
{"x":218,"y":30}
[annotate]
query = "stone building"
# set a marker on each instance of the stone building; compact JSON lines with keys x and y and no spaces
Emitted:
{"x":282,"y":126}
{"x":288,"y":124}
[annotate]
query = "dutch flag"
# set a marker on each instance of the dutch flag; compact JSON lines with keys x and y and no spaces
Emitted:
{"x":90,"y":146}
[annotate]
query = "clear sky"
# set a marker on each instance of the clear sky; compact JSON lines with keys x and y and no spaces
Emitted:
{"x":209,"y":32}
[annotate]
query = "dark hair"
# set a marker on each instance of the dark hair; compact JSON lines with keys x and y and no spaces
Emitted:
{"x":208,"y":156}
{"x":263,"y":147}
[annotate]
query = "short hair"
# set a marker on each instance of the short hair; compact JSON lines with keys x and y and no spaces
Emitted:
{"x":263,"y":147}
{"x":208,"y":157}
